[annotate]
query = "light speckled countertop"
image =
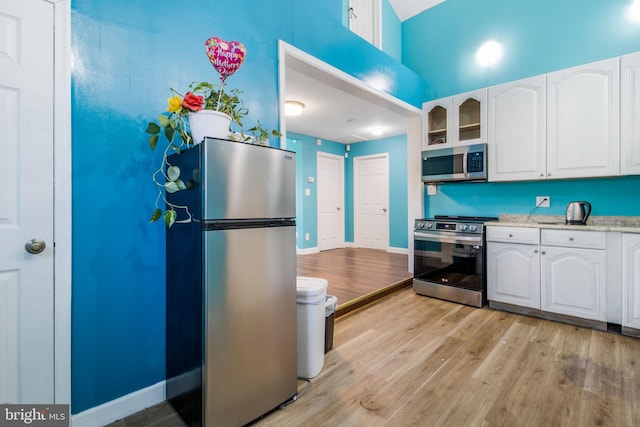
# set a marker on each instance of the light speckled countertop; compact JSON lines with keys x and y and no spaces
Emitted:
{"x":624,"y":224}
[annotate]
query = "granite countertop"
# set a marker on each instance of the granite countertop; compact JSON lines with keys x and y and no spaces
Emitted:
{"x":624,"y":224}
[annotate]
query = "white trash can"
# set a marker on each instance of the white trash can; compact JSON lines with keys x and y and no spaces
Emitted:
{"x":311,"y":296}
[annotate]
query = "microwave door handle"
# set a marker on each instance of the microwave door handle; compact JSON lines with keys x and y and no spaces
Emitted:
{"x":464,"y":163}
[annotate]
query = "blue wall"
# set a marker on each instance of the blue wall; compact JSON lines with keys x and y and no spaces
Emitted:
{"x":306,"y":166}
{"x":391,"y":31}
{"x":126,"y":56}
{"x":537,"y":37}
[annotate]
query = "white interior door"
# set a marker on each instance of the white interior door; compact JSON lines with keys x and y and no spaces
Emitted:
{"x":26,"y":201}
{"x":364,"y":19}
{"x":371,"y":194}
{"x":330,"y":201}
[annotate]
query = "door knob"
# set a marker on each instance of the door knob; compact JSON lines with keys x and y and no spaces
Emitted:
{"x":384,"y":209}
{"x":35,"y":246}
{"x":338,"y":208}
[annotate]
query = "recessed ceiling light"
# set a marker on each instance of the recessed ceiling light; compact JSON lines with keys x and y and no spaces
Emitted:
{"x":377,"y":131}
{"x":293,"y":108}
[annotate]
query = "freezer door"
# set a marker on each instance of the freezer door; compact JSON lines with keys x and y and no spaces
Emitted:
{"x":247,"y":181}
{"x":250,"y":360}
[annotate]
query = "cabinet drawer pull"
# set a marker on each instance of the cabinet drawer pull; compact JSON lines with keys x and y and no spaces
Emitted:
{"x":571,"y":239}
{"x":510,"y":235}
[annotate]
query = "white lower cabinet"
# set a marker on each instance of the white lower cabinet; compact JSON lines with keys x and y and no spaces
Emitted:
{"x":631,"y":280}
{"x":564,"y":272}
{"x":573,"y":282}
{"x":513,"y":266}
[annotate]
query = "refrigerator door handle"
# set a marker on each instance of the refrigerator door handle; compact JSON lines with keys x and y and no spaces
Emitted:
{"x":235,"y":224}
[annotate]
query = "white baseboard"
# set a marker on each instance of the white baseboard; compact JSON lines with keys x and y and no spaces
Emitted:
{"x":402,"y":251}
{"x":350,"y":245}
{"x":307,"y":251}
{"x":121,"y":407}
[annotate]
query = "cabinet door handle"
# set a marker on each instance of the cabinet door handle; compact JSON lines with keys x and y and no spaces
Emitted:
{"x":549,"y":174}
{"x":535,"y":251}
{"x":510,"y":235}
{"x":544,"y":253}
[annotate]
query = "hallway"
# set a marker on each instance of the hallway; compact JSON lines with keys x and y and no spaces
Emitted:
{"x":354,"y":273}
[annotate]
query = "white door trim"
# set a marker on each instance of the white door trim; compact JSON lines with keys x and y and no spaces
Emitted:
{"x":356,"y":176}
{"x":62,"y":200}
{"x":320,"y":154}
{"x":288,"y":53}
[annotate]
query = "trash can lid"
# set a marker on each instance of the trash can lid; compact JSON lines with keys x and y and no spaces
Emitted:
{"x":309,"y":286}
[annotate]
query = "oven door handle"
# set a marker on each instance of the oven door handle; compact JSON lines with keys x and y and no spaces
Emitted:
{"x":448,"y":239}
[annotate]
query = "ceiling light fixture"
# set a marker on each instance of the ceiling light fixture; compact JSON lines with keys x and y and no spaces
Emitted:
{"x":634,"y":11}
{"x":377,"y":131}
{"x":293,"y":108}
{"x":489,"y":53}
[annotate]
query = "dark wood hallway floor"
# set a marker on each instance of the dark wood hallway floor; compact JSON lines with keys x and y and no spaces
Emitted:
{"x":355,"y":273}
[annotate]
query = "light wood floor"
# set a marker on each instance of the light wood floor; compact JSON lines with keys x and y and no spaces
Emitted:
{"x":410,"y":360}
{"x":353,"y":273}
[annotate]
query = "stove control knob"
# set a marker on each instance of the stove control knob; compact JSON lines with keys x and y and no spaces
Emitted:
{"x":473,"y":228}
{"x":421,"y":225}
{"x":463,"y":227}
{"x":429,"y":225}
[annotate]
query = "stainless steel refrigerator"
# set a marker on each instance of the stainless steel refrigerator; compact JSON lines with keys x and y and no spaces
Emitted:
{"x":231,"y":284}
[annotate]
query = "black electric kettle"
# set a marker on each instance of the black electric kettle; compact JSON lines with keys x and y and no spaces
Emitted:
{"x":576,"y":212}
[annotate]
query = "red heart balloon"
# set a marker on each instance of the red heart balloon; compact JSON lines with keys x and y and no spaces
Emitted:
{"x":226,"y":57}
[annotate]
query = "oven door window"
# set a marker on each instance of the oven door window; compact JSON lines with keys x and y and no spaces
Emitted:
{"x":452,"y":264}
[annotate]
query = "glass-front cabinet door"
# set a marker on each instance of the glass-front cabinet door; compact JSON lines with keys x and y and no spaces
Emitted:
{"x":456,"y":120}
{"x":437,"y":122}
{"x":470,"y":121}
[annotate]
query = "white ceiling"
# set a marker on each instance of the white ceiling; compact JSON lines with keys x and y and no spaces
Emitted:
{"x":337,"y":113}
{"x":340,"y":112}
{"x":406,"y":9}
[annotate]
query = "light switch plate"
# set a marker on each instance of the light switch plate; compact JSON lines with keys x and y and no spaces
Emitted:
{"x":432,"y":190}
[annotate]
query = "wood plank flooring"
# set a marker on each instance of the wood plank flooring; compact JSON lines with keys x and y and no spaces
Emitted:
{"x":353,"y":273}
{"x":410,"y":360}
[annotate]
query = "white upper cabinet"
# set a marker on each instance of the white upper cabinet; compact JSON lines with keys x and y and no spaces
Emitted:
{"x":630,"y":115}
{"x":470,"y":118}
{"x":517,"y":130}
{"x":437,"y":124}
{"x":583,"y":121}
{"x":457,"y":120}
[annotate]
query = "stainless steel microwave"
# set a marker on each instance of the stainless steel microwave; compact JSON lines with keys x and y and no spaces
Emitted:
{"x":463,"y":163}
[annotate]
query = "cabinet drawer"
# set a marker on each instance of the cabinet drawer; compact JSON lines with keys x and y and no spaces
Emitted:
{"x":574,"y":239}
{"x":513,"y":235}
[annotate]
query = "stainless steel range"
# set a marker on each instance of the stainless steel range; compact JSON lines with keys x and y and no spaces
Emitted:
{"x":449,"y":259}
